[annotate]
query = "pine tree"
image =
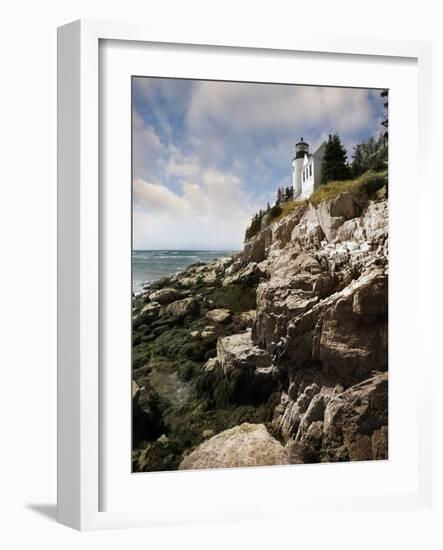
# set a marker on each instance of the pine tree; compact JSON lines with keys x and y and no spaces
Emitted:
{"x":278,"y":195}
{"x":335,"y":166}
{"x":370,"y":155}
{"x":385,"y":121}
{"x":276,"y":210}
{"x":357,"y":165}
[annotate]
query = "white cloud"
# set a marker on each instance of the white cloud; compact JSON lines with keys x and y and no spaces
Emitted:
{"x":182,"y":166}
{"x":157,"y":198}
{"x":148,"y":152}
{"x":226,"y":121}
{"x":246,"y":107}
{"x":211,"y":211}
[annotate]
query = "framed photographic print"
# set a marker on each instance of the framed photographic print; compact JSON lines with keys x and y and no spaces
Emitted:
{"x":232,"y":321}
{"x":260,"y":341}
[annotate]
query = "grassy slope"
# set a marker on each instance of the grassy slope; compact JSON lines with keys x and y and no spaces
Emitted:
{"x":287,"y":208}
{"x":361,"y":188}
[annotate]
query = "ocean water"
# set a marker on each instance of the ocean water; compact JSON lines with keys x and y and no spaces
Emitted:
{"x":150,"y":265}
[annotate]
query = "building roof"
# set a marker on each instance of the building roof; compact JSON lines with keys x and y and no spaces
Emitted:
{"x":320,"y":149}
{"x":305,"y":153}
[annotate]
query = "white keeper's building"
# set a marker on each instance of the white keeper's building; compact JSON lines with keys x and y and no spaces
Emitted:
{"x":306,"y":169}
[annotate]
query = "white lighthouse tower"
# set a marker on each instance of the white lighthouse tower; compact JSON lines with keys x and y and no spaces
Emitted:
{"x":301,"y":150}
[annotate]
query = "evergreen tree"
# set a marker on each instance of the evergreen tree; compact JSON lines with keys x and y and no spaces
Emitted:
{"x":363,"y":157}
{"x":278,"y":195}
{"x":385,"y":121}
{"x":276,"y":210}
{"x":335,"y":166}
{"x":370,"y":155}
{"x":255,"y":225}
{"x":357,"y":165}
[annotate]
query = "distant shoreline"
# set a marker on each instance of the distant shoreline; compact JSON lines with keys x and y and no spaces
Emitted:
{"x":149,"y":265}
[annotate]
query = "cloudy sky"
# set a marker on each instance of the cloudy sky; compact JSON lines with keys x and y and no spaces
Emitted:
{"x":207,"y":155}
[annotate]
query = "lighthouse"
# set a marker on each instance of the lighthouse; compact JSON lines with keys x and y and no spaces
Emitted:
{"x":301,"y":150}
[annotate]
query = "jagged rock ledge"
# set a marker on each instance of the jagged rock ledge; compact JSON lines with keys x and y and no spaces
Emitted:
{"x":291,"y":333}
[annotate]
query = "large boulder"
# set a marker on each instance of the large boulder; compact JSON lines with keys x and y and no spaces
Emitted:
{"x":246,"y":371}
{"x":182,"y":308}
{"x":288,"y":263}
{"x":244,"y":445}
{"x":248,"y":275}
{"x":238,"y":352}
{"x":345,"y":206}
{"x":219,"y":315}
{"x":150,"y":313}
{"x":165,"y":295}
{"x":221,"y":265}
{"x":234,"y":267}
{"x":329,"y":223}
{"x":210,"y":277}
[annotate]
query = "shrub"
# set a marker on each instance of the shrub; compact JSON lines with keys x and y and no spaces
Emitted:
{"x":236,"y":298}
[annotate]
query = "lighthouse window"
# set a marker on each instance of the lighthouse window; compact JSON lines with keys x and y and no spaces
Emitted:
{"x":310,"y":169}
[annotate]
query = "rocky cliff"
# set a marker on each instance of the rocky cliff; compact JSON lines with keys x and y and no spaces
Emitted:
{"x":290,"y":335}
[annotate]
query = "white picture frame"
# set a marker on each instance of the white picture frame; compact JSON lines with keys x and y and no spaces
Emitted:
{"x":80,"y":411}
